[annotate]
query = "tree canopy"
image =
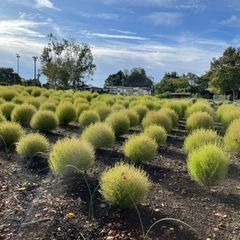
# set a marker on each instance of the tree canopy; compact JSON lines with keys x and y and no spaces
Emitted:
{"x":8,"y":76}
{"x":66,"y":63}
{"x":224,"y":73}
{"x":136,"y":77}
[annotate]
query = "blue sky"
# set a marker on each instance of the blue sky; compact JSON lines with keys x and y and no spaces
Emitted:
{"x":157,"y":35}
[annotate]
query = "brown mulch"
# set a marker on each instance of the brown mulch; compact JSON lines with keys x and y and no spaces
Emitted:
{"x":34,"y":204}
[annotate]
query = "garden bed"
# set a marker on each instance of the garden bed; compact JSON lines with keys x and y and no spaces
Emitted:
{"x":36,"y":205}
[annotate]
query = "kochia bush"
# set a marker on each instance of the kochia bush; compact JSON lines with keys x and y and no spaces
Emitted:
{"x":44,"y":121}
{"x":23,"y":114}
{"x":100,"y":135}
{"x":6,"y":108}
{"x":157,"y":133}
{"x":70,"y":155}
{"x":119,"y":122}
{"x":140,"y":148}
{"x":199,"y":120}
{"x":232,"y":137}
{"x":124,"y":185}
{"x":208,"y":164}
{"x":10,"y":133}
{"x":88,"y":117}
{"x":200,"y":137}
{"x":31,"y":144}
{"x":66,"y":113}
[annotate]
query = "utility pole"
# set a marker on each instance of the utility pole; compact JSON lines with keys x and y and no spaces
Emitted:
{"x":35,"y":68}
{"x":18,"y":56}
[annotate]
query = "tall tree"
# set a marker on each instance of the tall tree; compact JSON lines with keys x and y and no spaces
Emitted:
{"x":66,"y":63}
{"x":225,"y":72}
{"x":136,"y":77}
{"x":8,"y":76}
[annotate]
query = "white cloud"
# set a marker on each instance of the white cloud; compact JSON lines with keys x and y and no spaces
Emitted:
{"x":106,"y":16}
{"x":232,"y":21}
{"x":45,"y":4}
{"x":104,"y":35}
{"x":164,"y":18}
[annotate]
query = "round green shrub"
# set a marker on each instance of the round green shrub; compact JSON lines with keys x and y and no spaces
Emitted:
{"x":141,"y":111}
{"x":157,"y":133}
{"x":36,"y":92}
{"x":133,"y":117}
{"x":200,"y":137}
{"x":31,"y":144}
{"x":103,"y":111}
{"x":99,"y":134}
{"x":199,"y":120}
{"x":208,"y":164}
{"x":34,"y":101}
{"x":23,"y":114}
{"x":119,"y":122}
{"x":140,"y":148}
{"x":82,"y":107}
{"x":6,"y":108}
{"x":10,"y":133}
{"x":124,"y":185}
{"x":66,"y":113}
{"x":7,"y":93}
{"x":200,"y":105}
{"x":157,"y":118}
{"x":2,"y":118}
{"x":172,"y":114}
{"x":50,"y":106}
{"x":69,"y":152}
{"x":232,"y":137}
{"x":88,"y":117}
{"x":44,"y":121}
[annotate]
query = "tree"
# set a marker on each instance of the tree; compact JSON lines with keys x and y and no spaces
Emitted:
{"x":136,"y":77}
{"x":171,"y":82}
{"x":225,"y":72}
{"x":66,"y":63}
{"x":8,"y":76}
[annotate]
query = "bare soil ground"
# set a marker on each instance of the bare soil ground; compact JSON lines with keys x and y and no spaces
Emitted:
{"x":36,"y":205}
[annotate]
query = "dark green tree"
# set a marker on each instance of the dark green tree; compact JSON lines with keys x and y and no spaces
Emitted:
{"x":9,"y":77}
{"x":66,"y":63}
{"x":136,"y":77}
{"x":224,"y":72}
{"x":172,"y":82}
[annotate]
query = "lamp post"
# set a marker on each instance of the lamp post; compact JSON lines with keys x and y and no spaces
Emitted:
{"x":35,"y":68}
{"x":18,"y":56}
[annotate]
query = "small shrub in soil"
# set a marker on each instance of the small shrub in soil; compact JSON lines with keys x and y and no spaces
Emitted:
{"x":36,"y":92}
{"x":178,"y":106}
{"x":119,"y":122}
{"x":7,"y":93}
{"x":124,"y":185}
{"x":133,"y":117}
{"x":23,"y":114}
{"x":157,"y":133}
{"x":157,"y":118}
{"x":34,"y":101}
{"x":6,"y":108}
{"x":200,"y":137}
{"x":103,"y":111}
{"x":88,"y":117}
{"x":140,"y":148}
{"x":10,"y":133}
{"x":73,"y":152}
{"x":172,"y":114}
{"x":2,"y":118}
{"x":31,"y":144}
{"x":66,"y":113}
{"x":229,"y":114}
{"x":141,"y":111}
{"x":82,"y":107}
{"x":100,"y":135}
{"x":50,"y":106}
{"x":200,"y":105}
{"x":44,"y":121}
{"x":199,"y":120}
{"x":117,"y":107}
{"x":232,"y":137}
{"x":208,"y":165}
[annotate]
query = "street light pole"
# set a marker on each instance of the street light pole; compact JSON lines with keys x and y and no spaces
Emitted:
{"x":18,"y":56}
{"x":35,"y":68}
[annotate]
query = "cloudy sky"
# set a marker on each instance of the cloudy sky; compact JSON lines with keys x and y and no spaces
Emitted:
{"x":158,"y":35}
